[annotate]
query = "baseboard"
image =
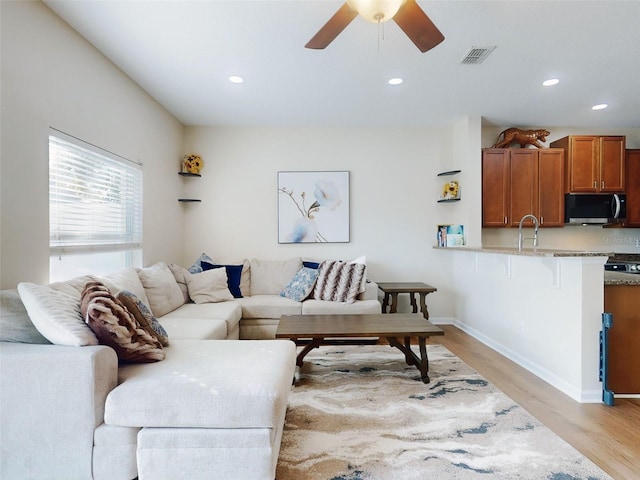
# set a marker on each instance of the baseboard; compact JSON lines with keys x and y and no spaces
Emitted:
{"x":442,"y":320}
{"x":587,"y":396}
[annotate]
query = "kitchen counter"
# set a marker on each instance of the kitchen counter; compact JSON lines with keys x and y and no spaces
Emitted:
{"x":530,"y":252}
{"x":617,"y":278}
{"x":542,"y":308}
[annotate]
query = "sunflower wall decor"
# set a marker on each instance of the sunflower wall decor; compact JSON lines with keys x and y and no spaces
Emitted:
{"x":450,"y":191}
{"x":192,"y":163}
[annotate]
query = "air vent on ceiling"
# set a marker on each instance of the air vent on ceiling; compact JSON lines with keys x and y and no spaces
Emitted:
{"x":476,"y":55}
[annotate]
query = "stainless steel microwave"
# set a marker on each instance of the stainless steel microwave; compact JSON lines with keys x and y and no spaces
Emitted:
{"x":597,"y":208}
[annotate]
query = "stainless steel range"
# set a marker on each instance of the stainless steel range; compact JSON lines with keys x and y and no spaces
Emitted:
{"x":626,"y":264}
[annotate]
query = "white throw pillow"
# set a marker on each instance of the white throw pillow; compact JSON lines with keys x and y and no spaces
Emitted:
{"x":209,"y":286}
{"x":161,"y":289}
{"x":56,"y":315}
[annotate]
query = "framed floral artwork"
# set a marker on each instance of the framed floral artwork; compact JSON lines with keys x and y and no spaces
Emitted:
{"x":313,"y":207}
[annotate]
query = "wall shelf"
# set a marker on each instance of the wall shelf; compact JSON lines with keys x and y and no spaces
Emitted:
{"x":189,"y":200}
{"x":451,"y":188}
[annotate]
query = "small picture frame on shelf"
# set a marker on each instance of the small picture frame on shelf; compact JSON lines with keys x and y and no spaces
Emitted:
{"x":450,"y":235}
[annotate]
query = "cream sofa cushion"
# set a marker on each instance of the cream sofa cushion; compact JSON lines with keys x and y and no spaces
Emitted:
{"x":217,"y":319}
{"x":270,"y":277}
{"x":194,"y":328}
{"x":209,"y":286}
{"x":179,"y":273}
{"x":268,"y":306}
{"x":161,"y":288}
{"x":125,"y":279}
{"x":239,"y":384}
{"x":321,"y":307}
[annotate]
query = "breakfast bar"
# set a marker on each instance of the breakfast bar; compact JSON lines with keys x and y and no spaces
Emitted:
{"x":541,"y":308}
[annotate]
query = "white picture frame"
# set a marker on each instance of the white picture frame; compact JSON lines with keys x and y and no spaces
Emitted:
{"x":313,"y":207}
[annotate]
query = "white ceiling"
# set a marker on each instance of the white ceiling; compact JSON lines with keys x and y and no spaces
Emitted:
{"x":182,"y":53}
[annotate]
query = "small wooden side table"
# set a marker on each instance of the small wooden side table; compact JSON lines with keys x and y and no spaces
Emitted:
{"x":392,"y":289}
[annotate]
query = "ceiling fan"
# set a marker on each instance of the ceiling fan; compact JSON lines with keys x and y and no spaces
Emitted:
{"x":406,"y":13}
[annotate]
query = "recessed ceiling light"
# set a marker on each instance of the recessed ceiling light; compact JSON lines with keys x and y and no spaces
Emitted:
{"x":395,"y":81}
{"x":550,"y":82}
{"x":236,"y":79}
{"x":600,"y":106}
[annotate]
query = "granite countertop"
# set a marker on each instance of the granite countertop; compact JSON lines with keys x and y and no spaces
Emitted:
{"x":530,"y":252}
{"x":617,"y":278}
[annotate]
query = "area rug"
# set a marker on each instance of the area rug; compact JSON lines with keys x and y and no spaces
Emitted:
{"x":361,"y":413}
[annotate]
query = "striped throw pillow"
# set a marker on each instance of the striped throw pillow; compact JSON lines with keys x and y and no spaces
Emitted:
{"x":338,"y":281}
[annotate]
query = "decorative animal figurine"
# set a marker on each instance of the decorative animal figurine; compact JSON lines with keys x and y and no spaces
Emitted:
{"x":522,"y":137}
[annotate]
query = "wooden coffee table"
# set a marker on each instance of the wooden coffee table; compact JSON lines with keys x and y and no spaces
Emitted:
{"x":313,"y":330}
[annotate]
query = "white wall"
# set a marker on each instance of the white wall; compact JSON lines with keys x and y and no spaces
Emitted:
{"x":52,"y":77}
{"x":591,"y":237}
{"x":394,"y":189}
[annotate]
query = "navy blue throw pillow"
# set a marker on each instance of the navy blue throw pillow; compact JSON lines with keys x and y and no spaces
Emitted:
{"x":234,"y":272}
{"x":314,"y":265}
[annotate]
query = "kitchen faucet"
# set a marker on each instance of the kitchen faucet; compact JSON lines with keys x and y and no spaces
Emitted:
{"x":535,"y":230}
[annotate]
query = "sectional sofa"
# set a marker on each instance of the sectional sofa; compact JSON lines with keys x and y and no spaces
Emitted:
{"x":88,"y":390}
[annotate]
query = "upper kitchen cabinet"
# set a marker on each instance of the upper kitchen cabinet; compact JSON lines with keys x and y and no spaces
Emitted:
{"x":496,"y":178}
{"x":594,"y":164}
{"x":517,"y":182}
{"x":633,"y":188}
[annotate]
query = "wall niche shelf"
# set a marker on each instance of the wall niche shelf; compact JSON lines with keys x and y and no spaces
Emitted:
{"x":450,"y":172}
{"x":451,"y":188}
{"x":189,"y":200}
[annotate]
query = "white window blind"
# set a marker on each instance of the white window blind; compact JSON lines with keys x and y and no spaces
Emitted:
{"x":95,"y":200}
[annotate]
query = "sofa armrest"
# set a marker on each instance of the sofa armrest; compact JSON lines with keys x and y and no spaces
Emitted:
{"x":371,"y":292}
{"x":51,"y":400}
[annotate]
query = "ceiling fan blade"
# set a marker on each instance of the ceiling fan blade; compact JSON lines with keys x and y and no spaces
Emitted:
{"x":417,"y":26}
{"x":332,"y":28}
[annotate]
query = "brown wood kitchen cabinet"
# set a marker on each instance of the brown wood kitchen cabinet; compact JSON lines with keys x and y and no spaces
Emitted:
{"x":594,"y":163}
{"x":623,"y":301}
{"x":517,"y":182}
{"x":633,"y":188}
{"x":496,"y":163}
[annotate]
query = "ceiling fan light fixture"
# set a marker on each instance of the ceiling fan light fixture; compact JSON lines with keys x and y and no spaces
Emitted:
{"x":376,"y":11}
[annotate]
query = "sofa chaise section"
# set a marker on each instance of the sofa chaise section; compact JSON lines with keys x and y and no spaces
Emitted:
{"x":209,"y":406}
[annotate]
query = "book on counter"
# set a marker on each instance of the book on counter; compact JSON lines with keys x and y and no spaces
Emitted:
{"x":450,"y":235}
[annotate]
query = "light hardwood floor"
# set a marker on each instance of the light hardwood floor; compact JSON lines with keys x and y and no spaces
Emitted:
{"x":609,"y":436}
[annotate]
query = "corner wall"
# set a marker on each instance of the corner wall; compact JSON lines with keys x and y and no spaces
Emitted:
{"x":52,"y":77}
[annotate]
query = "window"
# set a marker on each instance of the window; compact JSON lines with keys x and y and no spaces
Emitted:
{"x":95,"y":209}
